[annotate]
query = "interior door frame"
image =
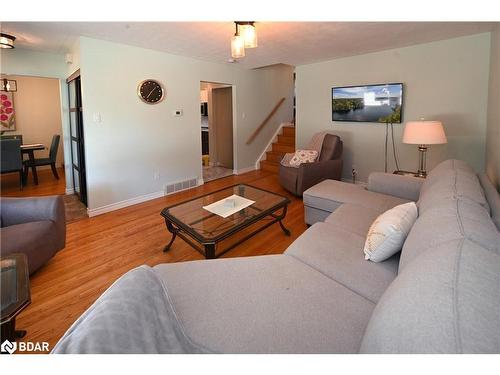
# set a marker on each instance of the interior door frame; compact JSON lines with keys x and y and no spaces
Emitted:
{"x":235,"y":117}
{"x":79,"y":138}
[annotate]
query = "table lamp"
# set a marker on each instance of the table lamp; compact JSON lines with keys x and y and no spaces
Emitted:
{"x":423,"y":133}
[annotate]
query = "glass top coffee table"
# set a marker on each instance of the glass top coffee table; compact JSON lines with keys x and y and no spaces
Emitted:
{"x":204,"y":230}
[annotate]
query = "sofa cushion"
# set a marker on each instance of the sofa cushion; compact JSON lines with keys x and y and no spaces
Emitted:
{"x":328,"y":195}
{"x":446,"y":301}
{"x":266,"y":304}
{"x":388,"y":232}
{"x":354,"y":218}
{"x":447,"y":221}
{"x":338,"y":254}
{"x":453,"y":180}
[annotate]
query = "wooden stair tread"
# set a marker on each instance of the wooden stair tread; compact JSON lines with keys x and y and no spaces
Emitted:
{"x":285,"y":144}
{"x":269,"y":166}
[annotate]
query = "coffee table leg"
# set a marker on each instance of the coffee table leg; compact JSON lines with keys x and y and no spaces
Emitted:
{"x":210,"y":251}
{"x":286,"y":231}
{"x":172,"y":230}
{"x":282,"y":216}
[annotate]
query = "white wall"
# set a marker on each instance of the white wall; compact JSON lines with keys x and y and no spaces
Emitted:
{"x":445,"y":80}
{"x":493,"y":130}
{"x":39,"y":64}
{"x":134,"y":140}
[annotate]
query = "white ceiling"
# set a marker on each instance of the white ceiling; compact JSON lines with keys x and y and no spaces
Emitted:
{"x":293,"y":43}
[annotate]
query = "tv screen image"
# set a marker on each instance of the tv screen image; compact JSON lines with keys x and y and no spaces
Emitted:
{"x":370,"y":103}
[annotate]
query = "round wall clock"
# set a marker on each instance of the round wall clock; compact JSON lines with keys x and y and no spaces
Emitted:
{"x":150,"y":91}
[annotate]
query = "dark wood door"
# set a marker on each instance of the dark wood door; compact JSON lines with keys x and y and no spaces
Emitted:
{"x":77,"y":138}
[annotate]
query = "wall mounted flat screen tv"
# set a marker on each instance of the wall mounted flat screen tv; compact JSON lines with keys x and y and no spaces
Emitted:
{"x":370,"y":103}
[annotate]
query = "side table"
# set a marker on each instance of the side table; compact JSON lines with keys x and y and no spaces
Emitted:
{"x":15,"y":294}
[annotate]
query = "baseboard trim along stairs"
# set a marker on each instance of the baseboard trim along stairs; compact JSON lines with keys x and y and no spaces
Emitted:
{"x":283,"y":142}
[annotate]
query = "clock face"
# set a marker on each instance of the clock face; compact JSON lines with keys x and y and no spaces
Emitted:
{"x":150,"y":91}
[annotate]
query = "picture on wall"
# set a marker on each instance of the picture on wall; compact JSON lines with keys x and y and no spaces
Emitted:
{"x":370,"y":103}
{"x":7,"y":113}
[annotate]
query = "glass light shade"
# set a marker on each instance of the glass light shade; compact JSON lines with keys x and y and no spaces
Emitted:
{"x":6,"y":40}
{"x":249,"y":34}
{"x":237,"y":46}
{"x":424,"y":133}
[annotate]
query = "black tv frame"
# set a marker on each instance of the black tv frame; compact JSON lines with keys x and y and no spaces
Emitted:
{"x":373,"y":84}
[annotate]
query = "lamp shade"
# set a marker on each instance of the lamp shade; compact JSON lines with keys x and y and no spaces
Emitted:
{"x":424,"y":133}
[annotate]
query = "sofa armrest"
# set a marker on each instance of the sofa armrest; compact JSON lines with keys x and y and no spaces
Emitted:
{"x":25,"y":210}
{"x":311,"y":174}
{"x":406,"y":187}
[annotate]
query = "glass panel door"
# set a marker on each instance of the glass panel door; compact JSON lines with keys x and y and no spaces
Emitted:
{"x":77,"y":138}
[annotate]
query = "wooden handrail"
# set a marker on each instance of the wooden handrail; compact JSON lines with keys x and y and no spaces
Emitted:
{"x":266,"y":120}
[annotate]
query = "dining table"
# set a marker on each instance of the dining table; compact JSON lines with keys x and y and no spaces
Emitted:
{"x":30,"y":149}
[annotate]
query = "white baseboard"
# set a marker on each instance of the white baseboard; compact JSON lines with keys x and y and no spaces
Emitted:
{"x":244,"y":170}
{"x":129,"y":202}
{"x":70,"y":191}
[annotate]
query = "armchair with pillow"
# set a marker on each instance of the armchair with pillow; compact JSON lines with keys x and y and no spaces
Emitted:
{"x":322,"y":160}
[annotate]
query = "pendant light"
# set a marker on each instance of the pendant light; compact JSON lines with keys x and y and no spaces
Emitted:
{"x":237,"y":44}
{"x":6,"y":40}
{"x":249,"y":33}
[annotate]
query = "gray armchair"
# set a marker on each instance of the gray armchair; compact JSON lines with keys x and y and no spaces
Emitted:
{"x":33,"y":226}
{"x":11,"y":158}
{"x":328,"y":166}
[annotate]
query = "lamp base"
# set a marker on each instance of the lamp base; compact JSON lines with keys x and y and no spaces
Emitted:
{"x":421,"y":165}
{"x":421,"y":173}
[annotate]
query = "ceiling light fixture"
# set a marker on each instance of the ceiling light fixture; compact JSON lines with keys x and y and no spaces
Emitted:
{"x":249,"y":33}
{"x":9,"y":85}
{"x":245,"y":36}
{"x":6,"y":40}
{"x":237,"y":44}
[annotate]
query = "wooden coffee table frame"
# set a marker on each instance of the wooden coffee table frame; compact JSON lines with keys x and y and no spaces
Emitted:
{"x":207,"y":246}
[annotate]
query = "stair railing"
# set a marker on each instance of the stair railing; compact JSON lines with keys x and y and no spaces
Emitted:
{"x":266,"y":120}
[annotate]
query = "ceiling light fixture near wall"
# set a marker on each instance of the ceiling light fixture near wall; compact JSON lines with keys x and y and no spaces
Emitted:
{"x":6,"y":40}
{"x":249,"y":33}
{"x":245,"y":36}
{"x":8,"y":85}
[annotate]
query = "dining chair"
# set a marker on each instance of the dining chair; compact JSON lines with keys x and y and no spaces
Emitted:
{"x":11,"y":160}
{"x":51,"y":160}
{"x":14,"y":136}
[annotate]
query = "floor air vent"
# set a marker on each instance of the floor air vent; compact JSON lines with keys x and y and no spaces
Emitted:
{"x":181,"y":185}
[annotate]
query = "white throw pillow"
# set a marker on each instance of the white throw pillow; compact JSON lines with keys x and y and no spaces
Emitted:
{"x":388,"y":232}
{"x":303,"y":156}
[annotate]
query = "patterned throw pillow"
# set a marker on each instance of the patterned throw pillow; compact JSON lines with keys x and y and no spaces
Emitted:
{"x":388,"y":232}
{"x":303,"y":156}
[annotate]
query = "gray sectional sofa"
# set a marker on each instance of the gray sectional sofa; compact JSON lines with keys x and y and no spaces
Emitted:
{"x":441,"y":294}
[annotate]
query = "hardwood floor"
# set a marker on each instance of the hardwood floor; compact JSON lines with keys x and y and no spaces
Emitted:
{"x":47,"y":184}
{"x":101,"y":249}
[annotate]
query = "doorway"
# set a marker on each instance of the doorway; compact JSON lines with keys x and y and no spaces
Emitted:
{"x":31,"y":114}
{"x":216,"y":130}
{"x":77,"y":137}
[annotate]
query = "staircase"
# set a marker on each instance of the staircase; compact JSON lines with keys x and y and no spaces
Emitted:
{"x":285,"y":144}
